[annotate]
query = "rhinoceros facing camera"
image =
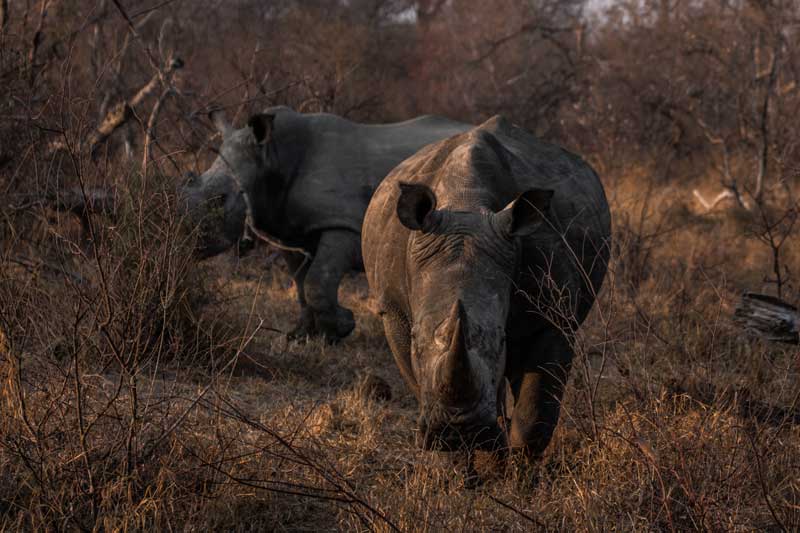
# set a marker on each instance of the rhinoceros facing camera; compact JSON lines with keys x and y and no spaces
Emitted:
{"x":485,"y":252}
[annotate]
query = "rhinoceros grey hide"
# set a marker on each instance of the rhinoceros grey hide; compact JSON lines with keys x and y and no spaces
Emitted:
{"x":308,"y":179}
{"x":484,"y":253}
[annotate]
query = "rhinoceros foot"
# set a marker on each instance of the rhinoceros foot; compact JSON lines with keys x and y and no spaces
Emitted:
{"x":333,"y":325}
{"x":524,"y":469}
{"x":305,"y":327}
{"x":462,"y":468}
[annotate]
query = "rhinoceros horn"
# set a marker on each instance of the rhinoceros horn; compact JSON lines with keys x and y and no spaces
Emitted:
{"x":456,"y":370}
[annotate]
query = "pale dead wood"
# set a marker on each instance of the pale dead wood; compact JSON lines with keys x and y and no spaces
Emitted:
{"x":729,"y":182}
{"x":708,"y":205}
{"x":151,"y":126}
{"x":769,"y":318}
{"x":123,"y":111}
{"x":768,"y":76}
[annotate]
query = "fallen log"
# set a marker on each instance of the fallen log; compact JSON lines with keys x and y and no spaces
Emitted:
{"x":96,"y":200}
{"x":82,"y":203}
{"x":768,"y":318}
{"x":35,"y":266}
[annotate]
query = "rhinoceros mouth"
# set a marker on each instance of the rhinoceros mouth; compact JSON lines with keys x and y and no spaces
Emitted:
{"x":453,"y":438}
{"x":207,"y":247}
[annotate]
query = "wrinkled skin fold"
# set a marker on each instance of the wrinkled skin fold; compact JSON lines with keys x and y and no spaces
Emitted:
{"x":308,"y":179}
{"x":485,"y":253}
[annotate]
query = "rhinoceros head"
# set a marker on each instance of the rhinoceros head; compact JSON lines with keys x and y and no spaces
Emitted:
{"x":216,"y":199}
{"x":461,"y":270}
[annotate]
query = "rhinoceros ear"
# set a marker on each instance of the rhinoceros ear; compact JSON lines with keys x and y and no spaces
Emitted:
{"x":217,"y":117}
{"x":261,"y":124}
{"x":415,"y":205}
{"x":524,"y":215}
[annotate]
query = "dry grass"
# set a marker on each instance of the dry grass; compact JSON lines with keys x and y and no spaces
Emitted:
{"x":672,"y":420}
{"x":142,"y":391}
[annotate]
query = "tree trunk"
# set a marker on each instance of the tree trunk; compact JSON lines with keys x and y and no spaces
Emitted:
{"x":3,"y":14}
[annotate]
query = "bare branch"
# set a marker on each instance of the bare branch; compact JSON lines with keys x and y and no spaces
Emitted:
{"x":123,"y":111}
{"x":132,"y":27}
{"x":38,"y":37}
{"x":708,"y":205}
{"x":547,"y":32}
{"x":764,"y":127}
{"x":151,"y":126}
{"x":149,"y":10}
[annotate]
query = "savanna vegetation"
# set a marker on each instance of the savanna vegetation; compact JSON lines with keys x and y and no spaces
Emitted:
{"x":143,"y":390}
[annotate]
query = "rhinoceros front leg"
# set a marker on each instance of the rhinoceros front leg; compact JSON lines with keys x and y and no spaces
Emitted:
{"x":337,"y":253}
{"x":539,"y":373}
{"x":298,"y":267}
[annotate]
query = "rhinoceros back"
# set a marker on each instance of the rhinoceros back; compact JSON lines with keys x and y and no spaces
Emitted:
{"x":343,"y":162}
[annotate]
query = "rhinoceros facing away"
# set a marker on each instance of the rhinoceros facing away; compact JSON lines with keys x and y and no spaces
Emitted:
{"x":309,"y":179}
{"x":484,"y":252}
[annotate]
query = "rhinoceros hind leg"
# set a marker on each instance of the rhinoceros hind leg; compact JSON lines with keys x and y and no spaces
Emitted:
{"x":337,"y":253}
{"x":542,"y":368}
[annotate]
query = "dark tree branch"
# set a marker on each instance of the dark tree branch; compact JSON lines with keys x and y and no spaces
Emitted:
{"x":132,"y":28}
{"x":3,"y":14}
{"x":547,"y":32}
